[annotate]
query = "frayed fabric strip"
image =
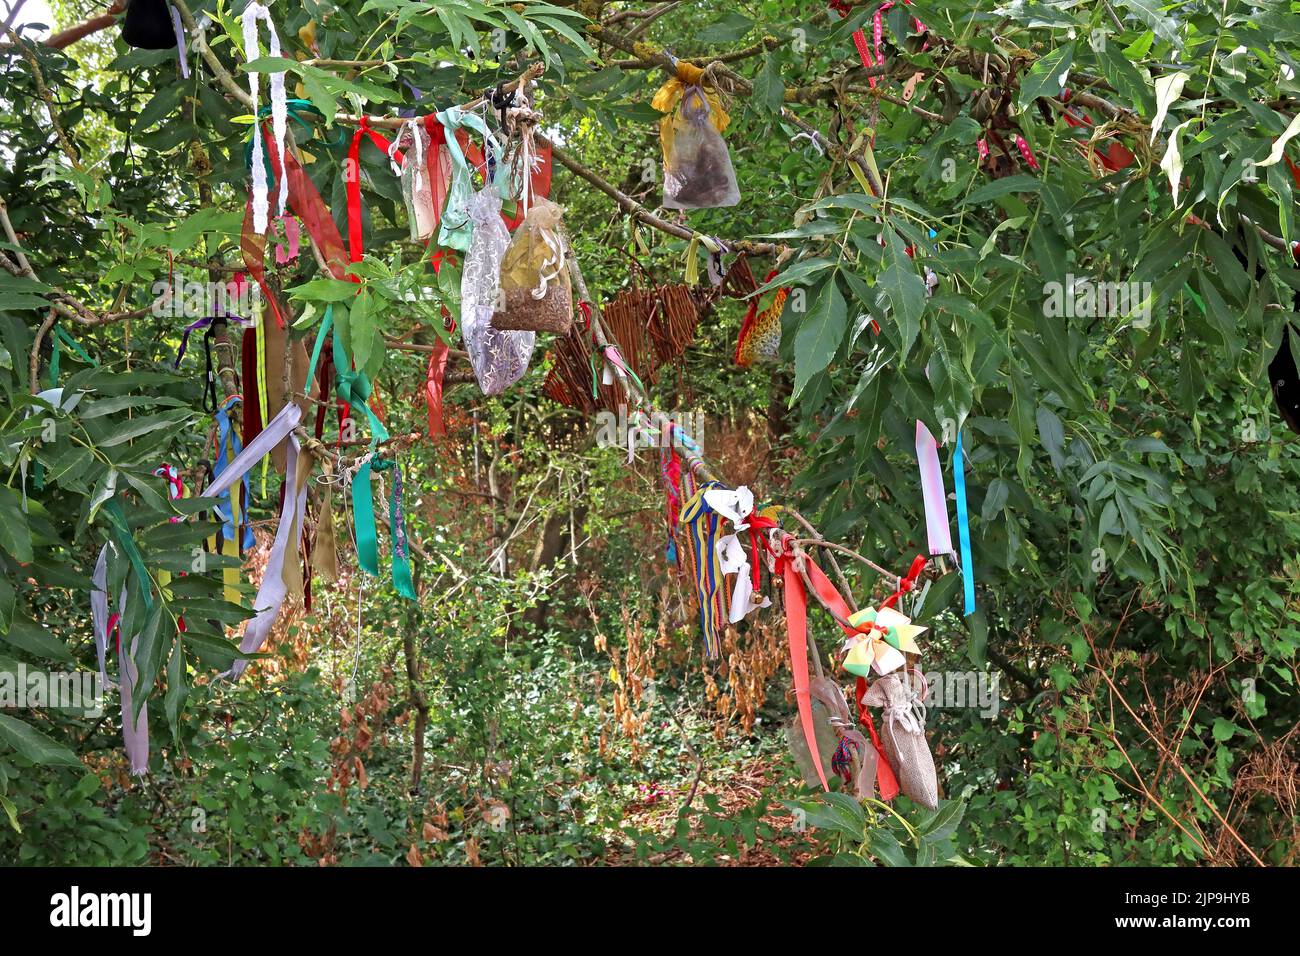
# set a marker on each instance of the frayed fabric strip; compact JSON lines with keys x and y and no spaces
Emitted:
{"x":271,"y":593}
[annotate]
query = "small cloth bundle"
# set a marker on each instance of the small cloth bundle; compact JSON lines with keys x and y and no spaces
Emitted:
{"x":499,"y":358}
{"x":902,"y":733}
{"x":697,"y":167}
{"x":536,"y":294}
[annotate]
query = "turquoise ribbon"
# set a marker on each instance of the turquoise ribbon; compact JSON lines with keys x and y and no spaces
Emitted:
{"x":363,"y":510}
{"x":402,"y":579}
{"x":963,"y":525}
{"x":353,"y":387}
{"x":457,"y":226}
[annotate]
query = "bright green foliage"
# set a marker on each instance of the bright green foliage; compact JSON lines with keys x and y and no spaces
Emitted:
{"x":1131,"y":486}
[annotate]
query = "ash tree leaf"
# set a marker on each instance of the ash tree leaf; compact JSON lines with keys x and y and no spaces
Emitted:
{"x":34,"y":745}
{"x":105,"y":488}
{"x":147,"y":652}
{"x":30,"y":637}
{"x":1048,"y":76}
{"x":1130,"y":85}
{"x":1052,"y":434}
{"x":361,"y":328}
{"x":769,"y":89}
{"x":727,"y":29}
{"x":15,"y":536}
{"x":905,"y":291}
{"x":821,"y":329}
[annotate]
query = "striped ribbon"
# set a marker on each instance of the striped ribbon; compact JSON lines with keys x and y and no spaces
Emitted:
{"x":701,"y":524}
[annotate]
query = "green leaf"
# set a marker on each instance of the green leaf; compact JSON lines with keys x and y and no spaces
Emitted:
{"x":15,"y":536}
{"x":905,"y":291}
{"x":177,"y":690}
{"x":1224,"y":730}
{"x":943,"y":824}
{"x":138,"y":427}
{"x":105,"y":488}
{"x":1049,"y":75}
{"x":11,"y":812}
{"x":361,"y":328}
{"x":769,"y":90}
{"x":1019,"y":183}
{"x":147,"y":651}
{"x":324,"y":290}
{"x":821,"y":330}
{"x":1052,"y":434}
{"x":727,"y":29}
{"x":884,"y":846}
{"x":34,"y":745}
{"x":1130,"y":85}
{"x":27,"y":635}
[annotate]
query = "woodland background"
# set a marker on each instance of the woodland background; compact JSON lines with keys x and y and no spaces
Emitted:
{"x":546,"y":701}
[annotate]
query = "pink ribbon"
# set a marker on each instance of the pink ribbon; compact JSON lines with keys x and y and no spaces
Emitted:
{"x":936,"y":500}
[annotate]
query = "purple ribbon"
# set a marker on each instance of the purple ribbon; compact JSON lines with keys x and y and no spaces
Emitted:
{"x":180,"y":41}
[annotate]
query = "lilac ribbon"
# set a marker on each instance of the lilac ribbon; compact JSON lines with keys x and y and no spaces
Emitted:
{"x":135,"y":732}
{"x":180,"y":41}
{"x":271,"y":592}
{"x":275,"y":431}
{"x":99,"y":613}
{"x":936,"y":501}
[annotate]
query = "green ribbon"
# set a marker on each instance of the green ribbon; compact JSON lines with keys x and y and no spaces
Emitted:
{"x":54,"y":362}
{"x":402,"y":579}
{"x":353,"y":386}
{"x":363,"y":509}
{"x":122,"y":534}
{"x":456,"y":224}
{"x":59,"y":336}
{"x":70,"y":342}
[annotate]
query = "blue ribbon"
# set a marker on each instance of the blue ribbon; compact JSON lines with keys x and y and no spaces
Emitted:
{"x":963,"y":525}
{"x":228,"y":436}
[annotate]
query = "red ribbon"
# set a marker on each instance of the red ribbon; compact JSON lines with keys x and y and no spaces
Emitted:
{"x":433,"y":389}
{"x":352,"y":176}
{"x":907,"y":582}
{"x":1116,"y":155}
{"x":886,"y":779}
{"x":252,"y":402}
{"x":843,"y":7}
{"x":796,"y":616}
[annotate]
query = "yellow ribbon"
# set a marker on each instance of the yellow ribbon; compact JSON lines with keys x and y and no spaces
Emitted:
{"x":669,"y":97}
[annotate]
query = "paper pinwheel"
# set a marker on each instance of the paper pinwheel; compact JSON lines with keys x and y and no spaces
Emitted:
{"x":886,"y":635}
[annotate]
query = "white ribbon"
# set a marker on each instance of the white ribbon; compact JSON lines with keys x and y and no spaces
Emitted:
{"x":253,"y":12}
{"x":736,"y":505}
